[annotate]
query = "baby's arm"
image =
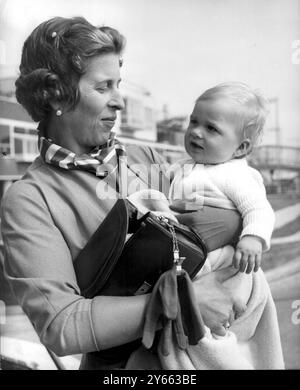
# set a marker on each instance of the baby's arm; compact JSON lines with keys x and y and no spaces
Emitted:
{"x":249,"y":195}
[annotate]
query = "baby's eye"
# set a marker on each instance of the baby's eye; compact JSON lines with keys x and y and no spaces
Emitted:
{"x":212,"y":129}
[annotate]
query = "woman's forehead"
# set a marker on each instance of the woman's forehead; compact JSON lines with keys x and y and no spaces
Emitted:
{"x":103,"y":66}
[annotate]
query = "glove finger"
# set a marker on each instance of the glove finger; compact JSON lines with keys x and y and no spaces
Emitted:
{"x":180,"y":335}
{"x":166,"y":338}
{"x":153,"y":314}
{"x":192,"y":321}
{"x":161,"y":305}
{"x":168,"y":292}
{"x":149,"y":331}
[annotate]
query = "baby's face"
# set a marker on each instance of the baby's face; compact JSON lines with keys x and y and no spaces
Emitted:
{"x":213,"y":134}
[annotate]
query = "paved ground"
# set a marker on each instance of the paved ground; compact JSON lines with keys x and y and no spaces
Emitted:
{"x":286,"y":240}
{"x":285,"y":286}
{"x":286,"y":215}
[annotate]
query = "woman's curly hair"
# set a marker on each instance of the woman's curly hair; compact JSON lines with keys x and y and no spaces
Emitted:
{"x":55,"y":56}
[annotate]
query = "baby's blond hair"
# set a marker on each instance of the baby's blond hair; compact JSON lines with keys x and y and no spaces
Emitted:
{"x":254,"y":103}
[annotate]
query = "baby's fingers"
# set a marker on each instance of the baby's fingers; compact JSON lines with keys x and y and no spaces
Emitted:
{"x":237,"y":259}
{"x":244,"y":262}
{"x":257,"y":262}
{"x":251,"y":263}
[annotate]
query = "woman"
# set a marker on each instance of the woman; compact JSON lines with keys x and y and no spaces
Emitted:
{"x":69,"y":83}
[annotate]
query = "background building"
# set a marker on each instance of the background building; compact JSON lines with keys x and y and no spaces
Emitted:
{"x":138,"y":118}
{"x":171,"y":131}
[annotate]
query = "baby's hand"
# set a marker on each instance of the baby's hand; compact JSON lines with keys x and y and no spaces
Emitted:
{"x":248,"y":254}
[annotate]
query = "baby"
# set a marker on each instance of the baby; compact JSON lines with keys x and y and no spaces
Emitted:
{"x":224,"y":126}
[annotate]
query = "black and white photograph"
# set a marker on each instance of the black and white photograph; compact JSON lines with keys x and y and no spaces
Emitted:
{"x":149,"y":187}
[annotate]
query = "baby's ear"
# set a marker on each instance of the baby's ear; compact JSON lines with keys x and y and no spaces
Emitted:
{"x":243,"y":149}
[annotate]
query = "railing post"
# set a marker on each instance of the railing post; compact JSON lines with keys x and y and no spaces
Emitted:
{"x":12,"y":140}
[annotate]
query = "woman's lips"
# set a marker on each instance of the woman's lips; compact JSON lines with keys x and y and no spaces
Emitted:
{"x":109,"y":122}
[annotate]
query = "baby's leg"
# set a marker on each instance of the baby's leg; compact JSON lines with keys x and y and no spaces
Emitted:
{"x":217,"y":227}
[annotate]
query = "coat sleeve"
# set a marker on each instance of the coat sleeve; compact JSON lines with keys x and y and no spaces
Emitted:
{"x":39,"y":268}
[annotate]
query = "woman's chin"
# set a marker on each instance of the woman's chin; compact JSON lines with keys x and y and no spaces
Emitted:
{"x":102,"y":136}
{"x":107,"y":125}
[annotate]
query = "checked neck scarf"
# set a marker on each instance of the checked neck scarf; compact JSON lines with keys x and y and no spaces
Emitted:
{"x":102,"y":161}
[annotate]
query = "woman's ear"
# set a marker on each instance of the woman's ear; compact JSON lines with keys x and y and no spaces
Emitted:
{"x":53,"y":91}
{"x":55,"y":105}
{"x":55,"y":100}
{"x":243,"y":149}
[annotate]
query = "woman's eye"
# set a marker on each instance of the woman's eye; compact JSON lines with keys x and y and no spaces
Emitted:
{"x":102,"y":87}
{"x":193,"y":122}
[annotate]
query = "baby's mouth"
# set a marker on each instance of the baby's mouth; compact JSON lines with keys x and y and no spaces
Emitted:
{"x":194,"y":144}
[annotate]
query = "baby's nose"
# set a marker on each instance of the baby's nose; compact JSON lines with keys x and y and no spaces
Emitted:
{"x":198,"y":131}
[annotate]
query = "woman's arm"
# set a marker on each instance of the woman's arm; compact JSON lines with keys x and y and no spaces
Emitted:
{"x":39,"y":267}
{"x":118,"y":320}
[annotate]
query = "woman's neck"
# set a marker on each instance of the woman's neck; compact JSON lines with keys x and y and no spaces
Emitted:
{"x":61,"y":134}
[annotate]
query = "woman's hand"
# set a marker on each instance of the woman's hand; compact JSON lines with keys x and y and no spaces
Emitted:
{"x":217,"y":307}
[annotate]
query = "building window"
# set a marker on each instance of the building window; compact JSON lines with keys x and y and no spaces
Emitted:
{"x":21,"y":130}
{"x":4,"y":140}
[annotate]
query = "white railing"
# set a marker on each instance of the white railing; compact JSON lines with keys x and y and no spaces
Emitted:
{"x":277,"y":157}
{"x":16,"y":123}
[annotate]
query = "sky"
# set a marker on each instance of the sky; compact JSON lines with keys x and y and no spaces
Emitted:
{"x":178,"y":48}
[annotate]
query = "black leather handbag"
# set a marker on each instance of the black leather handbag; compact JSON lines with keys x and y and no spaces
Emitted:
{"x":110,"y":265}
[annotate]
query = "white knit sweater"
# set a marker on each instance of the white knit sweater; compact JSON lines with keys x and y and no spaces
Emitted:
{"x":230,"y":185}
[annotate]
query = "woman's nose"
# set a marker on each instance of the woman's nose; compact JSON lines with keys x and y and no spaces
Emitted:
{"x":117,"y":101}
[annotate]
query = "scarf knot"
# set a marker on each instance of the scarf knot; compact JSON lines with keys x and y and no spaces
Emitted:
{"x":102,"y":161}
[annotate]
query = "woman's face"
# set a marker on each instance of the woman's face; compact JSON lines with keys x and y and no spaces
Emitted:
{"x":90,"y":123}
